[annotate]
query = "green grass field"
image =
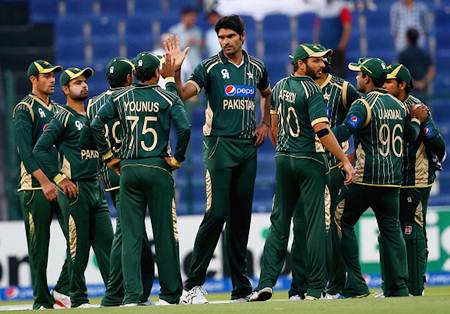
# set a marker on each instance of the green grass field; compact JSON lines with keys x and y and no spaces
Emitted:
{"x":436,"y":300}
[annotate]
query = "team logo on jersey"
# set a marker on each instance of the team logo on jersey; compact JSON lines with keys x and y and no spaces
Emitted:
{"x":44,"y":127}
{"x":353,"y":121}
{"x":41,"y":113}
{"x":225,"y":74}
{"x":239,"y":90}
{"x":78,"y":125}
{"x":250,"y":75}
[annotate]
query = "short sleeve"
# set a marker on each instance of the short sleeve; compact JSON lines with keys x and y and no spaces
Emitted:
{"x":198,"y":77}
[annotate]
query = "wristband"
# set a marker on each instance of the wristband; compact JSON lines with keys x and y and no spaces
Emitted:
{"x":59,"y":178}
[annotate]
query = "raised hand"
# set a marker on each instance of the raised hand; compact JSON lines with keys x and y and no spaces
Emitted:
{"x":168,"y":67}
{"x":172,"y":47}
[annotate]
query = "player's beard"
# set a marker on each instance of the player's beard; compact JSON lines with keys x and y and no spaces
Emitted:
{"x":311,"y":73}
{"x":78,"y":95}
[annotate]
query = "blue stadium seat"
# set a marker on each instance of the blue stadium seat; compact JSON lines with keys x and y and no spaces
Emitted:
{"x":277,"y":42}
{"x":250,"y":43}
{"x":43,"y":11}
{"x":276,"y":23}
{"x":145,"y":7}
{"x":65,"y":28}
{"x":178,"y":5}
{"x":104,"y":50}
{"x":442,"y":38}
{"x":441,"y":110}
{"x":104,"y":28}
{"x":139,"y":44}
{"x":375,"y":19}
{"x":114,"y":7}
{"x":354,"y":43}
{"x":250,"y":24}
{"x":277,"y":66}
{"x":442,"y":19}
{"x":70,"y":50}
{"x":168,"y":20}
{"x":305,"y":24}
{"x":138,"y":26}
{"x":75,"y":8}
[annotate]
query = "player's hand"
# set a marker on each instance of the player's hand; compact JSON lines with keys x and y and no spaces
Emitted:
{"x":49,"y":190}
{"x":349,"y":172}
{"x":172,"y":47}
{"x":352,"y":158}
{"x":168,"y":67}
{"x":114,"y":165}
{"x":172,"y":162}
{"x":69,"y":188}
{"x":420,"y":112}
{"x":261,"y":133}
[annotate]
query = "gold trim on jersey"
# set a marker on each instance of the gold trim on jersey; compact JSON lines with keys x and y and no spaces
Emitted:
{"x":72,"y":237}
{"x":112,"y":189}
{"x":208,"y":185}
{"x":266,"y":92}
{"x":327,"y":208}
{"x":338,"y":216}
{"x":420,"y":186}
{"x":165,"y":97}
{"x":369,"y":111}
{"x":41,"y":102}
{"x":344,"y":94}
{"x":197,"y":87}
{"x":31,"y":226}
{"x":28,"y":106}
{"x":211,"y":66}
{"x":66,"y":169}
{"x":273,"y":111}
{"x":174,"y":220}
{"x":327,"y":81}
{"x":418,"y":215}
{"x":207,"y":127}
{"x":385,"y":185}
{"x":25,"y":178}
{"x":422,"y":165}
{"x":359,"y":164}
{"x":303,"y":157}
{"x":415,"y":120}
{"x":318,"y":120}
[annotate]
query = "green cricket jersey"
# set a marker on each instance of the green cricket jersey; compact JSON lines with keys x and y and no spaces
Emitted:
{"x":64,"y":132}
{"x":299,"y":105}
{"x":231,"y":92}
{"x":418,"y":166}
{"x":146,"y":113}
{"x":30,"y":118}
{"x":110,"y":179}
{"x":379,"y":123}
{"x":339,"y":95}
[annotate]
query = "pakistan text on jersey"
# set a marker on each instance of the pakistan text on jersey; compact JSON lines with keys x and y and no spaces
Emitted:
{"x":142,"y":106}
{"x":89,"y":154}
{"x":392,"y":114}
{"x":239,"y":104}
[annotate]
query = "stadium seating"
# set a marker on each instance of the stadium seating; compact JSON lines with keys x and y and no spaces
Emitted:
{"x":43,"y":11}
{"x":114,"y":7}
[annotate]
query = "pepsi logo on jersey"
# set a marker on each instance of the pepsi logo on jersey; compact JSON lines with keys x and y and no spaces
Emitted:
{"x":239,"y":91}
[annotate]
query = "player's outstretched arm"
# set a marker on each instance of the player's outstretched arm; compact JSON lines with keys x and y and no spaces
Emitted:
{"x":357,"y":117}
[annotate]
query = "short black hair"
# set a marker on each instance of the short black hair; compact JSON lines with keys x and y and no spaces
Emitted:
{"x":378,"y":82}
{"x":142,"y":75}
{"x":409,"y":87}
{"x":115,"y":83}
{"x":233,"y":22}
{"x":412,"y":35}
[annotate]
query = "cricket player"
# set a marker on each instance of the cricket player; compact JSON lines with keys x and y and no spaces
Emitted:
{"x":379,"y":124}
{"x":338,"y":95}
{"x":421,"y":159}
{"x":36,"y":192}
{"x":119,"y":74}
{"x":146,"y":113}
{"x":231,"y":137}
{"x":301,"y":128}
{"x":89,"y":222}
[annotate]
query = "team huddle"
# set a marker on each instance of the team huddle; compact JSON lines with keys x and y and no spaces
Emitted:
{"x":119,"y":143}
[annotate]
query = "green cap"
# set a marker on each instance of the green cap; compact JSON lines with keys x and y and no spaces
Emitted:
{"x":41,"y":66}
{"x":140,"y":54}
{"x":147,"y":63}
{"x":399,"y":72}
{"x":304,"y":51}
{"x":373,"y":67}
{"x":118,"y":69}
{"x":72,"y":73}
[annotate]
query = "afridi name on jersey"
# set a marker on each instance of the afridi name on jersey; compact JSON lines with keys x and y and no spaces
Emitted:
{"x":339,"y":95}
{"x":418,"y":168}
{"x":145,"y":113}
{"x":64,"y":133}
{"x":109,"y":178}
{"x":299,"y":105}
{"x":31,"y":117}
{"x":231,"y":91}
{"x":378,"y":122}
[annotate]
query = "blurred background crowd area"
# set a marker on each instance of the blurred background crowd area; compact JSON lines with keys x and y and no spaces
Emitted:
{"x":91,"y":32}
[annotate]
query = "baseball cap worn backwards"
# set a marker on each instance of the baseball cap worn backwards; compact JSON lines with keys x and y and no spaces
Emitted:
{"x":399,"y":72}
{"x":304,"y":51}
{"x":148,"y":63}
{"x":41,"y":67}
{"x":373,"y":67}
{"x":118,"y":69}
{"x":72,"y":73}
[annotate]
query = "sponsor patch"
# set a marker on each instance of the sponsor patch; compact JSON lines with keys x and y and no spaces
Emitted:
{"x":428,"y":132}
{"x":239,"y":91}
{"x":354,"y":121}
